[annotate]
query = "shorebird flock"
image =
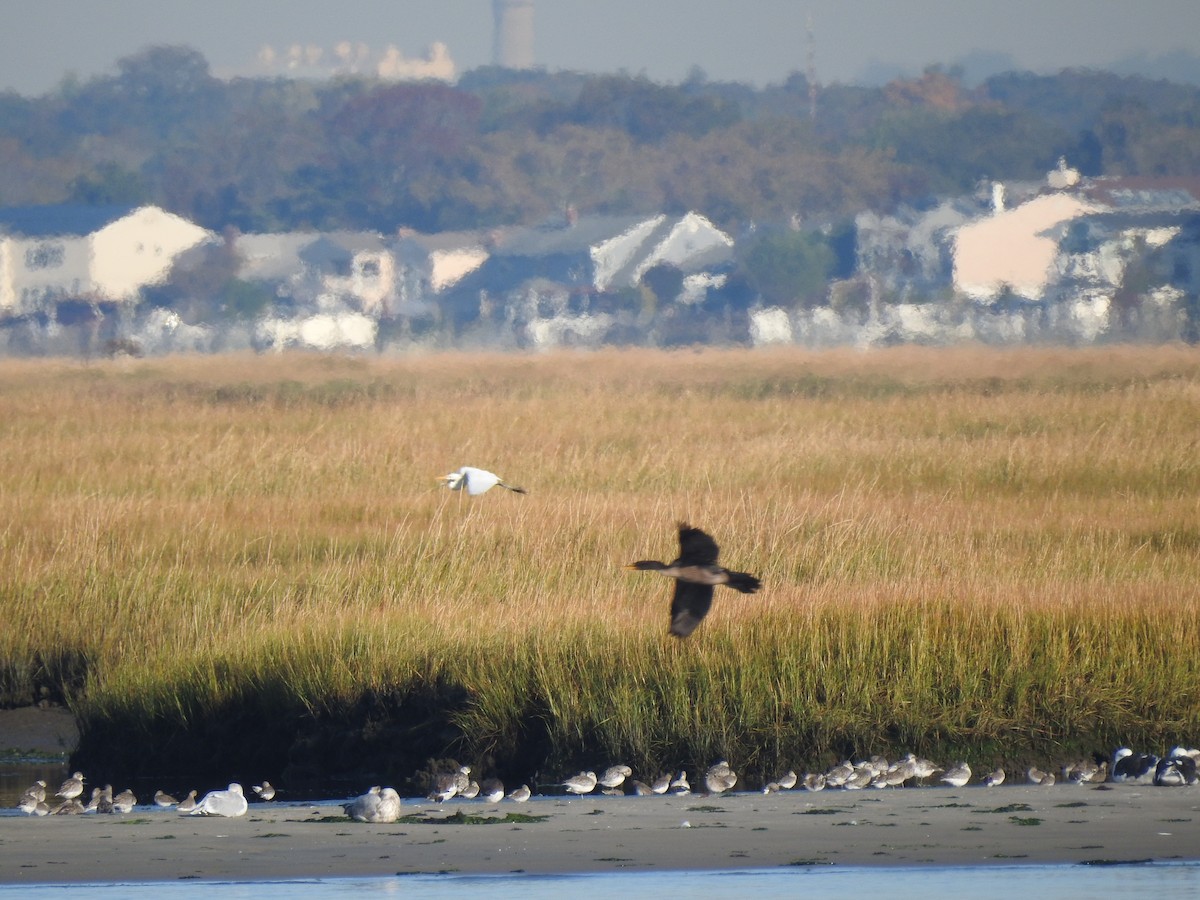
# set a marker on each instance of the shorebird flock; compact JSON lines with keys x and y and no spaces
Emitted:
{"x":68,"y":800}
{"x":1177,"y":768}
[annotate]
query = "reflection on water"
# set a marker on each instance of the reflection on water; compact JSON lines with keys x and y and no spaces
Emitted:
{"x":1163,"y":881}
{"x":16,"y":777}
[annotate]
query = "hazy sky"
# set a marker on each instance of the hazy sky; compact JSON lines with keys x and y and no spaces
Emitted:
{"x":757,"y":41}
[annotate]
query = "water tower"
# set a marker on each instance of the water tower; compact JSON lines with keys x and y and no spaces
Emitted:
{"x":512,"y":44}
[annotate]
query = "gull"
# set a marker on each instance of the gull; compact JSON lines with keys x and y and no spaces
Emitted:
{"x":164,"y":799}
{"x":583,"y":783}
{"x":521,"y":794}
{"x":696,"y":573}
{"x":265,"y":790}
{"x":1137,"y":768}
{"x":994,"y":779}
{"x":1177,"y":768}
{"x":124,"y":802}
{"x":362,"y":807}
{"x":72,"y":787}
{"x":377,"y":805}
{"x":958,"y":775}
{"x":492,"y":790}
{"x":477,"y":481}
{"x":614,"y":776}
{"x":188,"y":803}
{"x":230,"y":803}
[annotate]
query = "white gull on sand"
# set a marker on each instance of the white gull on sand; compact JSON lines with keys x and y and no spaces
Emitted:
{"x":230,"y":803}
{"x":376,"y":805}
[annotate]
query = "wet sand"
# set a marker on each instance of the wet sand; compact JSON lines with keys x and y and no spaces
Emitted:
{"x":894,"y":827}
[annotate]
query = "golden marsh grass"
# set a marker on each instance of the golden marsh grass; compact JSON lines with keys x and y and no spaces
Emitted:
{"x":985,"y":553}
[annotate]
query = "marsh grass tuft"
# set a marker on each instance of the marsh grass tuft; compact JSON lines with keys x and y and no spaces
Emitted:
{"x":965,"y":553}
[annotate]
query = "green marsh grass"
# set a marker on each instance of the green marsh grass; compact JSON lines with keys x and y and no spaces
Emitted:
{"x":971,"y":553}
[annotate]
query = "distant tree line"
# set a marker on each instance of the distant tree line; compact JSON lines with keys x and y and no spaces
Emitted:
{"x":503,"y":147}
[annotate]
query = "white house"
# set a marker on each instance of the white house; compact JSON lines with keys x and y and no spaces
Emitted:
{"x":352,"y":269}
{"x":92,"y":254}
{"x":1014,"y":248}
{"x":690,"y":243}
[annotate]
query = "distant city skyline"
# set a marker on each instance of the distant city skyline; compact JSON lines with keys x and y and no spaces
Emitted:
{"x":754,"y":41}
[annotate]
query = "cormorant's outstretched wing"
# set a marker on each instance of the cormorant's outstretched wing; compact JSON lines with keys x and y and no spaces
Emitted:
{"x":695,"y":547}
{"x":689,"y":605}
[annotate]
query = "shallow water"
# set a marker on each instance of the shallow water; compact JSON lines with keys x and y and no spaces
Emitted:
{"x":1163,"y":881}
{"x":15,"y":777}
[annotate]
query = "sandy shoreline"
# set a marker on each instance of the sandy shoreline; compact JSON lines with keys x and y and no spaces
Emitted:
{"x":915,"y":826}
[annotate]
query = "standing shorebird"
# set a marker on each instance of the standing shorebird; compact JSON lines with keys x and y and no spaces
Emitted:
{"x":124,"y":802}
{"x":72,"y":787}
{"x":1037,"y":776}
{"x":477,"y":481}
{"x":583,"y":783}
{"x":450,"y":784}
{"x":614,"y":776}
{"x":187,"y":804}
{"x":696,"y":573}
{"x":492,"y":790}
{"x":163,"y":799}
{"x":719,"y":778}
{"x":957,"y":776}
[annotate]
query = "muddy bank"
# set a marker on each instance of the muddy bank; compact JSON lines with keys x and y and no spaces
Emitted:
{"x":38,"y":732}
{"x":912,"y":826}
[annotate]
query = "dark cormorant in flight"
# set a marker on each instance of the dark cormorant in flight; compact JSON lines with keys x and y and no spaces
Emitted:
{"x":696,"y":573}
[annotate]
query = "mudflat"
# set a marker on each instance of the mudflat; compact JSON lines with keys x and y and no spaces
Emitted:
{"x":912,"y":826}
